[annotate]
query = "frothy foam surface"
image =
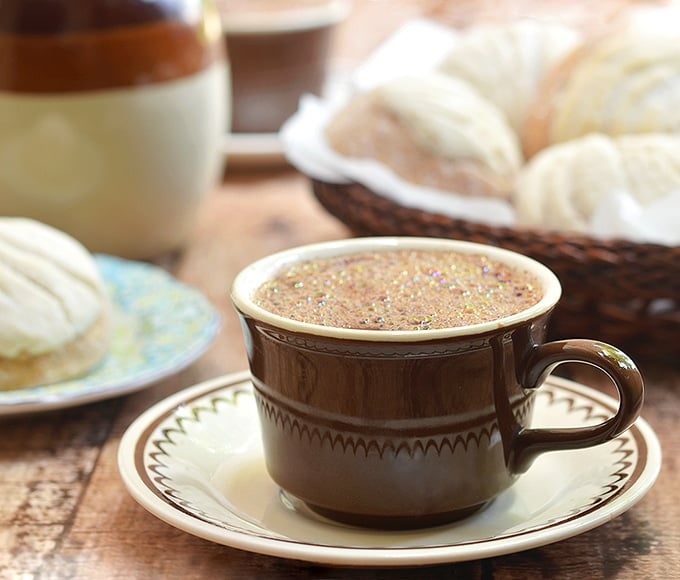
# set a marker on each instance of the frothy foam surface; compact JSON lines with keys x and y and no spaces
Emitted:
{"x":399,"y":290}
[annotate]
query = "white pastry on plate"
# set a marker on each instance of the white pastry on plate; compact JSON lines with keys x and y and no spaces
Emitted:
{"x":56,"y":314}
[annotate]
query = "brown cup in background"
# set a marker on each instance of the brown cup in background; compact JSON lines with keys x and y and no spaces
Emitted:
{"x":402,"y":429}
{"x":277,"y":56}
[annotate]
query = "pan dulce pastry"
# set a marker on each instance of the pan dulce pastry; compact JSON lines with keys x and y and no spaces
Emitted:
{"x":562,"y":186}
{"x":515,"y":56}
{"x":56,"y":318}
{"x":625,"y":83}
{"x":433,"y":130}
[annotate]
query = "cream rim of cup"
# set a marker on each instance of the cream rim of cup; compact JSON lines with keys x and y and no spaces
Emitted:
{"x":253,"y":276}
{"x":283,"y":21}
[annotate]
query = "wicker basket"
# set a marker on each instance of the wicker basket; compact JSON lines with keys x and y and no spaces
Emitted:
{"x":624,"y":293}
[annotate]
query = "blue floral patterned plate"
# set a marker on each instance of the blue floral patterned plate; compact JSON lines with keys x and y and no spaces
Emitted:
{"x":160,"y":327}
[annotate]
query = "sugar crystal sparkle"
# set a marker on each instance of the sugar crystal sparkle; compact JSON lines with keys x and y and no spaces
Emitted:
{"x":399,"y":290}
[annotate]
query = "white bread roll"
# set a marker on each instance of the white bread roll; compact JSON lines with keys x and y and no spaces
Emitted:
{"x":627,"y":83}
{"x":561,"y":187}
{"x":507,"y":63}
{"x":432,"y":130}
{"x":55,"y":321}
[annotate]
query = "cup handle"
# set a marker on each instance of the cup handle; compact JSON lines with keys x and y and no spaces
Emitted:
{"x":529,"y":443}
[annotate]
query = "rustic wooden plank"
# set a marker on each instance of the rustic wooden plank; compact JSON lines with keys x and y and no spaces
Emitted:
{"x":46,"y":462}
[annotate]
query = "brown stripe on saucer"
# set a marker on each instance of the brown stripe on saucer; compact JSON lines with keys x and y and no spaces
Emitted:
{"x":108,"y":58}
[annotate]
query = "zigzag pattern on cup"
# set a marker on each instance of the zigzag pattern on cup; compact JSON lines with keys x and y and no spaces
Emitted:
{"x":381,"y":445}
{"x":157,"y":460}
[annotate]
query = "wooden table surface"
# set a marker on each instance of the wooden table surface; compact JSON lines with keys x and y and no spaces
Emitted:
{"x":65,"y":513}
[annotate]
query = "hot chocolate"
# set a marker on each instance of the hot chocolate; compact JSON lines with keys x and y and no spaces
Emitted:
{"x":408,"y":429}
{"x":399,"y":290}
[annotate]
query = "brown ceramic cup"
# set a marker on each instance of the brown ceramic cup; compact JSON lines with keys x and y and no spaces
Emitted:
{"x":399,"y":429}
{"x":277,"y":56}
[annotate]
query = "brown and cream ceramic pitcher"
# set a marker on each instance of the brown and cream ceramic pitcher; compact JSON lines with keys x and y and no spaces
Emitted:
{"x":112,"y":116}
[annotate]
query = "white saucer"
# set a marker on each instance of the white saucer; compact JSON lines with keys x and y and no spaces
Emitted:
{"x":251,"y":150}
{"x":160,"y":327}
{"x":195,"y":461}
